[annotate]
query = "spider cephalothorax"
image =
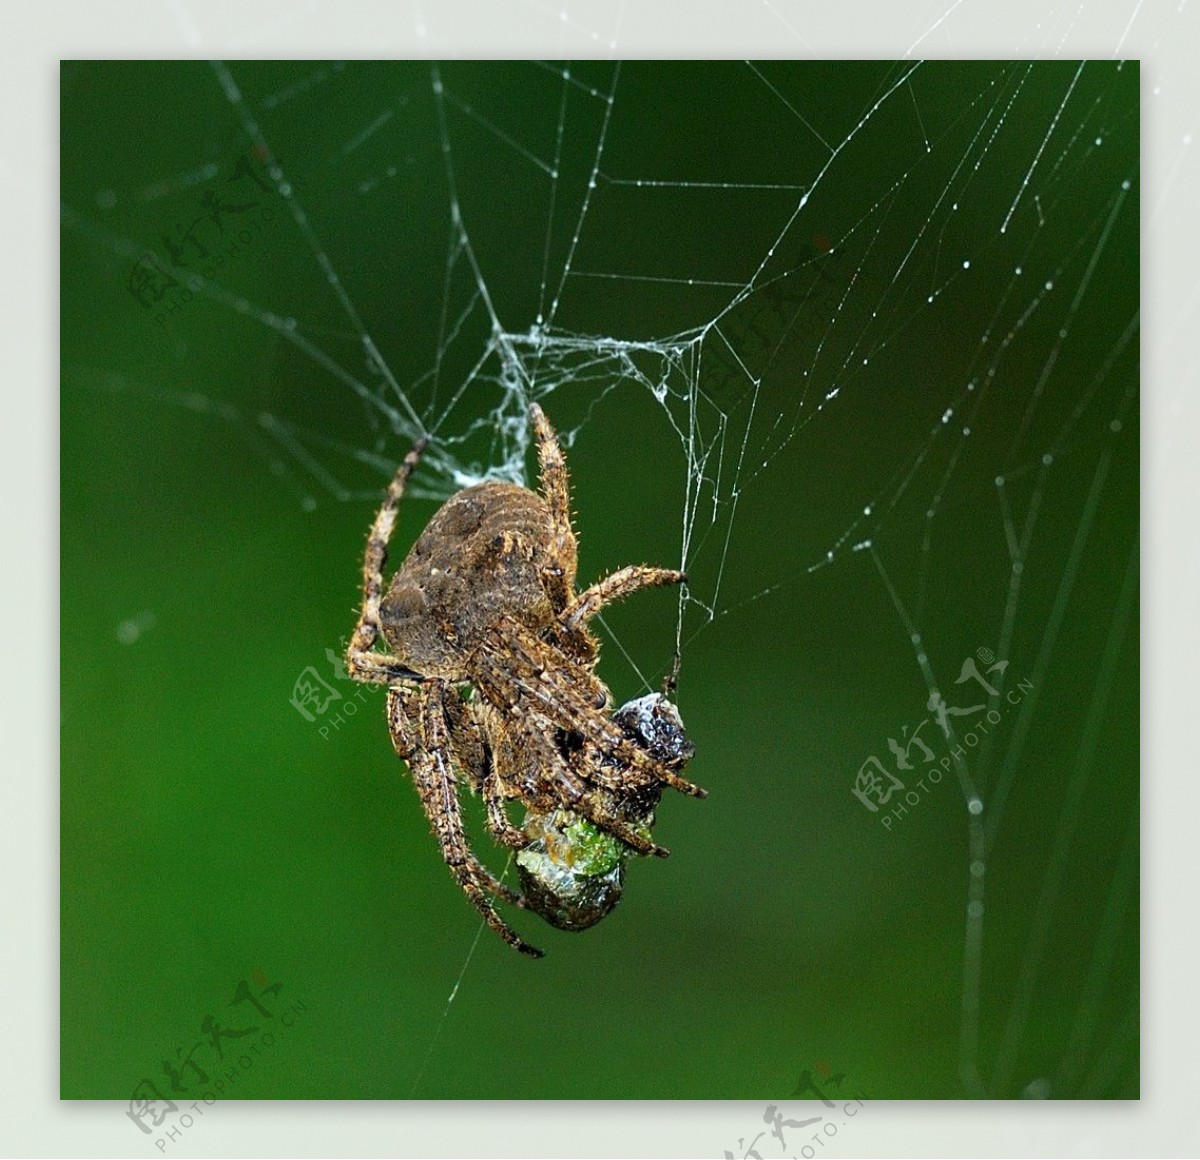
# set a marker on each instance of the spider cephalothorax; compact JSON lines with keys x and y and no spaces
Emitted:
{"x":489,"y":664}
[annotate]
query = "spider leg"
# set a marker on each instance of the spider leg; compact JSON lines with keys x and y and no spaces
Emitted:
{"x":466,"y":747}
{"x":497,"y":779}
{"x":553,"y":681}
{"x":521,"y":674}
{"x":552,"y":470}
{"x":426,"y":755}
{"x":377,"y":668}
{"x":556,"y":490}
{"x":615,"y":587}
{"x":550,"y":777}
{"x":528,"y":765}
{"x":497,"y":818}
{"x":363,"y":664}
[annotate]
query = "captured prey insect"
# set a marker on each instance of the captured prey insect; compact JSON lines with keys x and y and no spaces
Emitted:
{"x":489,"y":664}
{"x":573,"y":873}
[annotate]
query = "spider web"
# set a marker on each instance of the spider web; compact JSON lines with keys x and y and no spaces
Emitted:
{"x":878,"y":324}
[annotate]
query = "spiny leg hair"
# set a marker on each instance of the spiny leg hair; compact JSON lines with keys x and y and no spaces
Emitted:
{"x":363,"y":663}
{"x":426,"y":753}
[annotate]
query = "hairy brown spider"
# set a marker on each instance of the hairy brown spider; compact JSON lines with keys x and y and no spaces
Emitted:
{"x":490,"y":669}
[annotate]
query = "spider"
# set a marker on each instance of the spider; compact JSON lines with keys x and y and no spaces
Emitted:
{"x":490,"y":669}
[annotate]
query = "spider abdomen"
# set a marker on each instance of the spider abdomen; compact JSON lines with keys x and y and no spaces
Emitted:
{"x":482,"y":557}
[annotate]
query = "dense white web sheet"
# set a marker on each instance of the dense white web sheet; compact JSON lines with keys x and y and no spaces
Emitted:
{"x":906,"y":268}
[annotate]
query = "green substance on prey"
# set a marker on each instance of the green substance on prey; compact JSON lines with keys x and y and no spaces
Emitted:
{"x":572,"y":873}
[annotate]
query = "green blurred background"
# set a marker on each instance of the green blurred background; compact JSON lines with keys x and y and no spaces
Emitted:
{"x":211,"y":834}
